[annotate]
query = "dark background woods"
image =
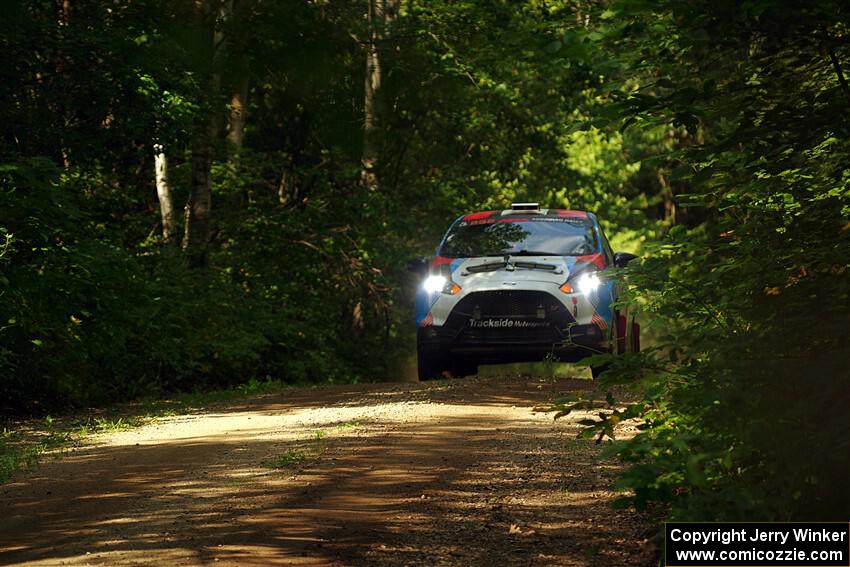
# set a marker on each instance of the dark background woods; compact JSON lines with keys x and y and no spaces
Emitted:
{"x":193,"y":194}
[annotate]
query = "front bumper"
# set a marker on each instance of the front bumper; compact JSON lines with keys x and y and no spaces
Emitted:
{"x":568,"y":344}
{"x":518,"y":325}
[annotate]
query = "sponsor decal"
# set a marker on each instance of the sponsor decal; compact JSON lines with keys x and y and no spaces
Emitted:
{"x":506,"y":324}
{"x":491,"y":221}
{"x":578,"y":221}
{"x":569,"y":220}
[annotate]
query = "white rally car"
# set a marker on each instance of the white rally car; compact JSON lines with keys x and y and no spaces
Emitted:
{"x":520,"y":285}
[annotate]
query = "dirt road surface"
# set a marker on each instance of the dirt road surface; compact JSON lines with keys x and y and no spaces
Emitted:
{"x":459,"y":472}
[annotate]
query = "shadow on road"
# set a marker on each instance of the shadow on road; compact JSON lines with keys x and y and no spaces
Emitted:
{"x":479,"y":481}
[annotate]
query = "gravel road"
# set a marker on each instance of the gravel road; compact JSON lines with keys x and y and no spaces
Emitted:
{"x":458,"y":472}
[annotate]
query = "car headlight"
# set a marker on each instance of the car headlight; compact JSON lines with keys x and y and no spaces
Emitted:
{"x":440,"y":284}
{"x":433,"y":284}
{"x":588,"y":282}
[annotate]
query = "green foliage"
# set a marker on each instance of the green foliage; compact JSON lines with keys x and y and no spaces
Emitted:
{"x":87,"y":323}
{"x":709,"y":136}
{"x":743,"y":394}
{"x":306,"y":280}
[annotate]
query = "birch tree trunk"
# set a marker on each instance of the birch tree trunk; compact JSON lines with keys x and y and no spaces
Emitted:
{"x":163,"y":193}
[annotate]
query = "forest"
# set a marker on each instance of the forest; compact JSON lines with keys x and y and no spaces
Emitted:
{"x":196,"y":193}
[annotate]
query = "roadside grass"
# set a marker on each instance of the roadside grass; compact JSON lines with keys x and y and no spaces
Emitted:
{"x":16,"y":455}
{"x":288,"y":459}
{"x":97,"y":424}
{"x":294,"y":456}
{"x":24,"y":444}
{"x":181,"y":403}
{"x":23,"y":448}
{"x":348,"y":425}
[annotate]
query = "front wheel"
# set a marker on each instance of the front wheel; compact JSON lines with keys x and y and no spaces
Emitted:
{"x":597,"y":371}
{"x":464,"y":367}
{"x":430,"y":364}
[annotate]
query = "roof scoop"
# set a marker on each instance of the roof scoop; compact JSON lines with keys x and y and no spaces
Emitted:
{"x":525,"y":206}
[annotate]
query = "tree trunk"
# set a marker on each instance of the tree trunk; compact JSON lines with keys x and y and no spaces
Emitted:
{"x":163,"y":193}
{"x":381,"y":14}
{"x":199,"y":206}
{"x":283,"y":187}
{"x":372,"y":85}
{"x":64,"y":77}
{"x":288,"y":190}
{"x":239,"y":108}
{"x":198,"y":211}
{"x":667,"y":197}
{"x":238,"y":115}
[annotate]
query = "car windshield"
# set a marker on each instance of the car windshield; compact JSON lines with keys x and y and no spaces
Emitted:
{"x":534,"y":236}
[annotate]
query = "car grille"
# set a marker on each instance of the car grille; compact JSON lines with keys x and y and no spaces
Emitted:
{"x":508,"y":304}
{"x":518,"y":312}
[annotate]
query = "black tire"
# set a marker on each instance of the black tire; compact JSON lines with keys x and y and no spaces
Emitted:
{"x":430,"y":364}
{"x":464,"y":367}
{"x":597,"y":371}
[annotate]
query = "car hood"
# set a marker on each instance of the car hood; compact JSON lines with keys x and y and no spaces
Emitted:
{"x":491,"y":273}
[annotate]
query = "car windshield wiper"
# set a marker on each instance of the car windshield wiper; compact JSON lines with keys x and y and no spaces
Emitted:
{"x":535,"y":266}
{"x":529,"y":253}
{"x":512,"y":265}
{"x":487,"y":267}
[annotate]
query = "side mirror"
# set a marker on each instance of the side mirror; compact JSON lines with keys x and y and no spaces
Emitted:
{"x":622,"y":259}
{"x":418,"y":265}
